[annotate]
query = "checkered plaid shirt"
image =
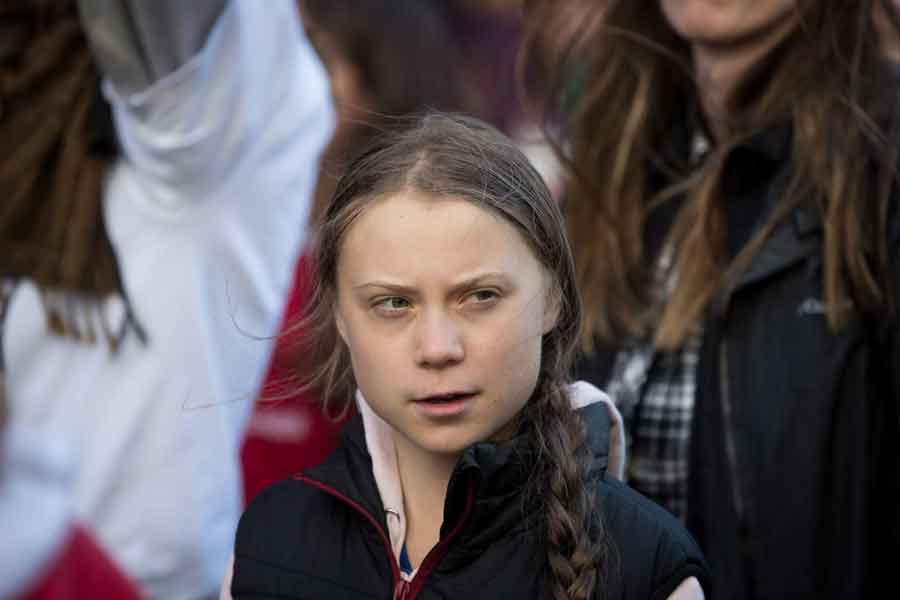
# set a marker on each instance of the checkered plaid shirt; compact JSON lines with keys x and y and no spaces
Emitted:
{"x":654,"y":391}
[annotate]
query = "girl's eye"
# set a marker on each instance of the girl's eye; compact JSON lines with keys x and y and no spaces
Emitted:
{"x":393,"y":304}
{"x":482,"y":297}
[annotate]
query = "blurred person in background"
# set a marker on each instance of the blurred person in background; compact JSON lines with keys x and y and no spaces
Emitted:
{"x":490,"y":34}
{"x":733,"y":211}
{"x":149,"y":227}
{"x":386,"y":59}
{"x":45,"y":553}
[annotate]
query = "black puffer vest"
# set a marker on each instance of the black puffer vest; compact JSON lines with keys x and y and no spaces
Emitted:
{"x":322,"y":534}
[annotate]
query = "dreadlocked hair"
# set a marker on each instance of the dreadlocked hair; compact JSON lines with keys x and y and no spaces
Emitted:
{"x":52,"y":167}
{"x":453,"y":156}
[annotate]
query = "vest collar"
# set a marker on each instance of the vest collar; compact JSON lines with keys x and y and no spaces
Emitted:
{"x":365,"y":470}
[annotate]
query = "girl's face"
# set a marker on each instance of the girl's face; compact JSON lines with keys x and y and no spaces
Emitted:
{"x":725,"y":23}
{"x":443,"y":306}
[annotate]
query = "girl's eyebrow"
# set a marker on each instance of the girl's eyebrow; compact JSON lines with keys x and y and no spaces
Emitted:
{"x":394,"y":287}
{"x":494,"y":277}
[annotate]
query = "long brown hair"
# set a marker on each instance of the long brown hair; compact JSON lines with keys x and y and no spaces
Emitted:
{"x":464,"y":158}
{"x":623,"y":79}
{"x":52,"y":166}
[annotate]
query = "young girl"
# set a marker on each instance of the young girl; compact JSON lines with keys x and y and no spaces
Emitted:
{"x":446,"y":298}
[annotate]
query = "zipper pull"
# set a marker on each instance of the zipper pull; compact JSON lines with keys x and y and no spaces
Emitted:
{"x":401,"y":590}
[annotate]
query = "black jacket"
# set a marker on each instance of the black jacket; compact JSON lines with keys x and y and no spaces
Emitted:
{"x":794,"y":485}
{"x":322,"y":535}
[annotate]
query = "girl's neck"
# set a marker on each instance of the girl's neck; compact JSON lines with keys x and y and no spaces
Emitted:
{"x":719,"y":70}
{"x":424,"y":477}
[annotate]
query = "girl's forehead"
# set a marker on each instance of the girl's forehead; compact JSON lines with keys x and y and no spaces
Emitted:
{"x":412,"y":235}
{"x":403,"y":217}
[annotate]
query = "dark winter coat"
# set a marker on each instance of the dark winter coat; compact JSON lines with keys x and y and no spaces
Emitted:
{"x":794,"y":485}
{"x":322,"y":535}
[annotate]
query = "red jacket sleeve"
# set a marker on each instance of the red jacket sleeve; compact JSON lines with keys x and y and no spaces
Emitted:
{"x":82,"y":569}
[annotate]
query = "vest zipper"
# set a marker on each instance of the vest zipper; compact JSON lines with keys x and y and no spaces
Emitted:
{"x":436,"y":554}
{"x":728,"y":426}
{"x":399,"y":591}
{"x":403,"y":590}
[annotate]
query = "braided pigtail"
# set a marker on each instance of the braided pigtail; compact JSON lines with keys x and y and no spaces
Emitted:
{"x":572,"y":530}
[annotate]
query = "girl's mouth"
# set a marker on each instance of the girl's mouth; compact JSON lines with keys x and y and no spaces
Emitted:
{"x":442,"y":406}
{"x":445,"y":398}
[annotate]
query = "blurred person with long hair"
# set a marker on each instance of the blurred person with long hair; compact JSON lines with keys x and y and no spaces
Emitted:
{"x":733,"y":211}
{"x":157,"y":164}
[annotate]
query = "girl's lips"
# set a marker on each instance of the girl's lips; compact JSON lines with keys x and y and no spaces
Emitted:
{"x":446,"y":405}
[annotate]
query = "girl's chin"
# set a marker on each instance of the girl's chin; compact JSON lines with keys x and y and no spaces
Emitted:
{"x":444,"y":444}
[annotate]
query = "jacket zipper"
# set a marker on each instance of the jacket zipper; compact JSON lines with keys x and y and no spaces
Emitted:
{"x":403,"y":590}
{"x":728,"y":424}
{"x":436,"y":554}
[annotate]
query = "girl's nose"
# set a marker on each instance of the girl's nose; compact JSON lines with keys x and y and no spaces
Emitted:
{"x":439,"y":341}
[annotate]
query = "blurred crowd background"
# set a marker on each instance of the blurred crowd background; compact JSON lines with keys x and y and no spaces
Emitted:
{"x":155,"y":103}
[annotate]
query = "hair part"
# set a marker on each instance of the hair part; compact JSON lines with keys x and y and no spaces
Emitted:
{"x":460,"y":157}
{"x":829,"y":79}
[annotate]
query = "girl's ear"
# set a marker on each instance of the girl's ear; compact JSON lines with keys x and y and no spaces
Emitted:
{"x":552,"y":308}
